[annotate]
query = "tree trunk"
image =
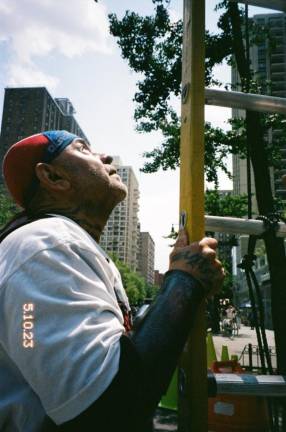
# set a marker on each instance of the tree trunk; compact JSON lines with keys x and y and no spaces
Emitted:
{"x":274,"y":246}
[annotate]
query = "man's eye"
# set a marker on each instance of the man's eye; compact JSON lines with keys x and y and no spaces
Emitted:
{"x":83,"y":148}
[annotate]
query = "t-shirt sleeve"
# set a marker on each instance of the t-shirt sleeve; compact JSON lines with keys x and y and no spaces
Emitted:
{"x":62,"y":329}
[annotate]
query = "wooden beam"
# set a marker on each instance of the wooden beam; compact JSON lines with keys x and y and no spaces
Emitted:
{"x":192,"y":401}
{"x":279,"y":5}
{"x":245,"y":101}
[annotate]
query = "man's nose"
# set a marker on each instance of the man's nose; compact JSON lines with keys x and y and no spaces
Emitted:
{"x":106,"y":158}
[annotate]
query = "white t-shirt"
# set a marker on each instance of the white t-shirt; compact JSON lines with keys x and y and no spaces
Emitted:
{"x":60,"y":323}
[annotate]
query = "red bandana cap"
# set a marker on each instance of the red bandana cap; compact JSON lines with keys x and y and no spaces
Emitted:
{"x":21,"y":159}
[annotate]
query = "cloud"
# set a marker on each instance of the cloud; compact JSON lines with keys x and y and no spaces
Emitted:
{"x":29,"y":75}
{"x":175,"y":15}
{"x":31,"y":30}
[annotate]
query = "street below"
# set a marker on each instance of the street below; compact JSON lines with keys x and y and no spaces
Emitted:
{"x":166,"y":420}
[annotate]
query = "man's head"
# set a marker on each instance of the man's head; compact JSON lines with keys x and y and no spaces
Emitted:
{"x":60,"y":167}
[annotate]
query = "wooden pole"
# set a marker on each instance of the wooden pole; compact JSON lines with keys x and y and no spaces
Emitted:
{"x":192,"y":378}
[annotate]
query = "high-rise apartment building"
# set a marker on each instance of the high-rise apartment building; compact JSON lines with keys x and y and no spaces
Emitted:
{"x":121,"y":234}
{"x":268,"y":61}
{"x":146,"y":257}
{"x":29,"y":110}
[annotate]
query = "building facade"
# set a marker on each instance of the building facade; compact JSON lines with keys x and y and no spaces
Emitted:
{"x":121,"y":233}
{"x":268,"y":62}
{"x":30,"y":110}
{"x":158,"y":278}
{"x":146,"y":257}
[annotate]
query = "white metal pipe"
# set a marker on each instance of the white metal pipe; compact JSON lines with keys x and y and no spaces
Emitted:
{"x":245,"y":101}
{"x":251,"y":385}
{"x":240,"y":226}
{"x":279,"y":5}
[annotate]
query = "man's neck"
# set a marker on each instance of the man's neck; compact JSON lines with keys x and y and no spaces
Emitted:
{"x":89,"y":221}
{"x":89,"y":224}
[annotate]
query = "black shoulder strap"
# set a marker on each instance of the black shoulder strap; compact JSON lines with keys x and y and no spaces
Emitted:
{"x":18,"y":221}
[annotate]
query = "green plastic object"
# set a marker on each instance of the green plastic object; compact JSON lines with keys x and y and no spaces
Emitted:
{"x":170,"y":399}
{"x":211,"y":352}
{"x":224,"y":353}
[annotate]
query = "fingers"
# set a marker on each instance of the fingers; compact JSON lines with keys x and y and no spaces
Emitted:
{"x":199,"y":259}
{"x":209,"y":241}
{"x":208,"y":247}
{"x":182,"y":239}
{"x":206,"y":242}
{"x":220,"y":270}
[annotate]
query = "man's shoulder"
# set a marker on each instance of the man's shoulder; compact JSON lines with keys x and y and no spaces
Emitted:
{"x":45,"y":232}
{"x":40,"y":235}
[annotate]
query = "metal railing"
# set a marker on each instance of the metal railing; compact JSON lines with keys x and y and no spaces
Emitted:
{"x":250,"y":358}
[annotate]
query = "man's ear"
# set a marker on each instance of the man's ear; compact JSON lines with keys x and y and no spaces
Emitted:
{"x":51,"y":177}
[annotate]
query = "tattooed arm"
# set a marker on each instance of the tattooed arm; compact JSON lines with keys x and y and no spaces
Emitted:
{"x":199,"y":260}
{"x":149,"y":355}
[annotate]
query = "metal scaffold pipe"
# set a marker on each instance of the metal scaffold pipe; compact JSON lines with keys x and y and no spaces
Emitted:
{"x":250,"y":385}
{"x":232,"y":225}
{"x":245,"y":101}
{"x":279,"y":5}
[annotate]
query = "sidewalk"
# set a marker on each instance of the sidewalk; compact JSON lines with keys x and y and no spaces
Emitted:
{"x":166,"y":420}
{"x":237,"y":343}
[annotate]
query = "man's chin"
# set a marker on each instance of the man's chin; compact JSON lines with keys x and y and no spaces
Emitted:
{"x":123,"y":192}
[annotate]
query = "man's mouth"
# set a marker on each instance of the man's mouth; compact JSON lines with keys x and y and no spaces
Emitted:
{"x":115,"y":174}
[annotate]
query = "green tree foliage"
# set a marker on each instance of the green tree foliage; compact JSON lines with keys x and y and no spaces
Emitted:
{"x":151,"y":291}
{"x":217,"y":204}
{"x":227,"y":288}
{"x":225,"y":205}
{"x":152,"y":46}
{"x":7,"y":207}
{"x":135,"y":286}
{"x":232,"y":206}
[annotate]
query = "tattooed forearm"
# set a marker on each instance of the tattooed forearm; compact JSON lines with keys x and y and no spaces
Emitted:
{"x":190,"y":258}
{"x":198,"y":263}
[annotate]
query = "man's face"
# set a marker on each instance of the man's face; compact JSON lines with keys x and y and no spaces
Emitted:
{"x":93,"y":178}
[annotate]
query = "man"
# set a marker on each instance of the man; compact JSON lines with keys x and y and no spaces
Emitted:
{"x":68,"y":358}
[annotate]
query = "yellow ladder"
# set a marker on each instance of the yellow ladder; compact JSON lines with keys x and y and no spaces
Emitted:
{"x":192,"y":371}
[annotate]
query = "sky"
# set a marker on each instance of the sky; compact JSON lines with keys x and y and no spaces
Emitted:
{"x":68,"y":49}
